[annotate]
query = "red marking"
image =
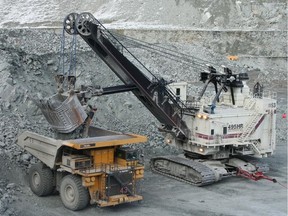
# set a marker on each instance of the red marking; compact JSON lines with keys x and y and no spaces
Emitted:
{"x":253,"y":175}
{"x":124,"y":190}
{"x":204,"y":136}
{"x":212,"y":137}
{"x":284,"y":115}
{"x":228,"y":136}
{"x":258,"y":124}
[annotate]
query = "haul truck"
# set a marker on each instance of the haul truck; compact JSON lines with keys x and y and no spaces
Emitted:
{"x":97,"y":169}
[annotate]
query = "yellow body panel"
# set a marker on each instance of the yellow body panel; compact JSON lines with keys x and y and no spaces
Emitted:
{"x":118,"y":199}
{"x":103,"y":156}
{"x":105,"y":141}
{"x":125,"y":163}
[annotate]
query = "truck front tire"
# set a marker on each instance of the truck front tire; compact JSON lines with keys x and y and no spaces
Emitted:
{"x":41,"y":179}
{"x":73,"y":195}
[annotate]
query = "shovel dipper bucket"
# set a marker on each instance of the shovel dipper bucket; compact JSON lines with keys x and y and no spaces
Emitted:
{"x":64,"y":113}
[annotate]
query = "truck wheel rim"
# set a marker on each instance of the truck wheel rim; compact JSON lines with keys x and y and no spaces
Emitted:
{"x":36,"y":179}
{"x":69,"y":193}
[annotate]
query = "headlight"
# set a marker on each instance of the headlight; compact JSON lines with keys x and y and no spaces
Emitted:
{"x":168,"y":141}
{"x":205,"y":117}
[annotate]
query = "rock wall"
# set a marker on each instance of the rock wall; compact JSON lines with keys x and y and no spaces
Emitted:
{"x":243,"y":43}
{"x":209,"y":14}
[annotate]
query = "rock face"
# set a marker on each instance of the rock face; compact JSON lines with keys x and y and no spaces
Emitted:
{"x":210,"y":14}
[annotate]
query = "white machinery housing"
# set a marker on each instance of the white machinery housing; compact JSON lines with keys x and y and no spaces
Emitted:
{"x":245,"y":128}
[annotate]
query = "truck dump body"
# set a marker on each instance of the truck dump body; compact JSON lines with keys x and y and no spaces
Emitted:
{"x":46,"y":149}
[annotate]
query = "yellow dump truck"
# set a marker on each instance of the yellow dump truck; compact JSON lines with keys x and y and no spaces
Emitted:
{"x":98,"y":169}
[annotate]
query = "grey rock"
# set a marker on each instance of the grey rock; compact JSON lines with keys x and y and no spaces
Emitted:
{"x":3,"y":207}
{"x":26,"y":157}
{"x":50,"y":62}
{"x":9,"y":81}
{"x":11,"y":186}
{"x":2,"y":144}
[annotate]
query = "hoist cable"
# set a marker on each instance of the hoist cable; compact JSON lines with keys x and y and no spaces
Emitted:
{"x":137,"y":41}
{"x":126,"y":49}
{"x":61,"y":56}
{"x":198,"y":68}
{"x":200,"y":61}
{"x":72,"y":66}
{"x":173,"y":57}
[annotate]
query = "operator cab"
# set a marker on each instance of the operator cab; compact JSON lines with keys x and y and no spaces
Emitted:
{"x":128,"y":154}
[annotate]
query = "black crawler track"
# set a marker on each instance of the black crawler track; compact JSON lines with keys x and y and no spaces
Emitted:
{"x":198,"y":175}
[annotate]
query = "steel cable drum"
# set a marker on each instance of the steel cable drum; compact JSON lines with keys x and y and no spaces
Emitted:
{"x":64,"y":113}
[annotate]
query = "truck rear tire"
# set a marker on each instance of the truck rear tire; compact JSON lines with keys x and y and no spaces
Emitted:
{"x":73,"y":195}
{"x":41,"y":179}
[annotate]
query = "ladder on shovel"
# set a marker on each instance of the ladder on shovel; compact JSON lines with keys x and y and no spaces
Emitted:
{"x":250,"y":127}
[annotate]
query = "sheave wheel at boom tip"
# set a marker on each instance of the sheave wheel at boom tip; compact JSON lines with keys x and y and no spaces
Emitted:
{"x":82,"y":23}
{"x":69,"y":23}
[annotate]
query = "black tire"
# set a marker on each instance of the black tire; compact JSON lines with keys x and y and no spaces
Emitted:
{"x":73,"y":195}
{"x":41,"y":179}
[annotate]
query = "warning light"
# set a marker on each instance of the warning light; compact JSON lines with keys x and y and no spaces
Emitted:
{"x":233,"y":58}
{"x":168,"y":141}
{"x":205,"y":117}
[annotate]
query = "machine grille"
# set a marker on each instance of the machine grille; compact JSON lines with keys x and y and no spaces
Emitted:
{"x":120,"y":182}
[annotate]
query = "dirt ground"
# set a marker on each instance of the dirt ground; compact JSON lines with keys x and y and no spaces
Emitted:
{"x":165,"y":196}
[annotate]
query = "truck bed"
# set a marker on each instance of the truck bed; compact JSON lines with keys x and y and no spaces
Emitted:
{"x":46,"y":148}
